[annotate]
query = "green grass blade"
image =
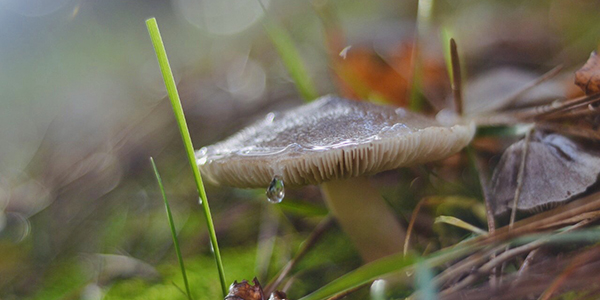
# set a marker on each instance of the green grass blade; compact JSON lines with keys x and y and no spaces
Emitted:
{"x":173,"y":232}
{"x":397,"y":262}
{"x":291,"y":59}
{"x":163,"y":61}
{"x":425,"y":284}
{"x":391,"y":264}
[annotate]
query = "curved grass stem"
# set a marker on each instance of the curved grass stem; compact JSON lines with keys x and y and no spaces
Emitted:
{"x":173,"y":231}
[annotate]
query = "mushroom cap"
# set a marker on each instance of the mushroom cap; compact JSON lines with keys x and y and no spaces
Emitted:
{"x":557,"y":168}
{"x":327,"y":139}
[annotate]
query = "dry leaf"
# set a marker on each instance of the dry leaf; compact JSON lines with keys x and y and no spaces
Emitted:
{"x":245,"y":291}
{"x":277,"y":295}
{"x":588,"y":77}
{"x":557,"y":168}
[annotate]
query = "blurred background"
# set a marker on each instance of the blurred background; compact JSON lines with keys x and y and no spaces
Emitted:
{"x":83,"y":107}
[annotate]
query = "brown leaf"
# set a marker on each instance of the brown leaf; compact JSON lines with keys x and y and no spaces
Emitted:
{"x":588,"y":77}
{"x":278,"y":295}
{"x":245,"y":291}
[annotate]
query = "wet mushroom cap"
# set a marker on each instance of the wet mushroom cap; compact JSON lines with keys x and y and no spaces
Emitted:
{"x":327,"y":139}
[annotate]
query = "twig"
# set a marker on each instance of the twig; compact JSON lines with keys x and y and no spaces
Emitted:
{"x":411,"y":224}
{"x":526,"y":263}
{"x":491,"y":222}
{"x":310,"y":241}
{"x":577,"y":102}
{"x":577,"y":131}
{"x":520,"y":177}
{"x":506,"y":256}
{"x":546,"y":76}
{"x":464,"y":266}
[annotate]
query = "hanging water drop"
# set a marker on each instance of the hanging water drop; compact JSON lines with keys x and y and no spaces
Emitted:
{"x":276,"y":190}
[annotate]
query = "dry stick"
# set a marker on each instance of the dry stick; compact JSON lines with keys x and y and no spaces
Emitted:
{"x":526,"y":263}
{"x":526,"y":226}
{"x":310,"y":241}
{"x":464,"y":266}
{"x":506,"y":256}
{"x":483,"y":181}
{"x":574,"y":220}
{"x":456,"y":78}
{"x":571,"y":130}
{"x":584,"y":100}
{"x":546,"y":76}
{"x":411,"y":224}
{"x":478,"y":259}
{"x":574,"y":114}
{"x":520,"y":177}
{"x":534,"y":223}
{"x":545,"y":112}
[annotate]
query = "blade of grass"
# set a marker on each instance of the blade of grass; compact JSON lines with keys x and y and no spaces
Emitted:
{"x":173,"y":232}
{"x":459,"y":223}
{"x":387,"y":265}
{"x":290,"y":57}
{"x":398,"y":262}
{"x":163,"y":61}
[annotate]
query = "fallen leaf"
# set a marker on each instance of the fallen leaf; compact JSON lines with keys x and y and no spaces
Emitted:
{"x":588,"y":77}
{"x":278,"y":295}
{"x":245,"y":291}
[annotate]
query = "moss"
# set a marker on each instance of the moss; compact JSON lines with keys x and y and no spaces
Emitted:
{"x":202,"y":275}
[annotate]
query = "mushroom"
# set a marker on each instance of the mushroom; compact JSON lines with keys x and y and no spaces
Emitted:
{"x":335,"y":142}
{"x":557,"y":169}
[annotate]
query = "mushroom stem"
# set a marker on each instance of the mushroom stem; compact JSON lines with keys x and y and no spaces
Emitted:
{"x":364,"y":216}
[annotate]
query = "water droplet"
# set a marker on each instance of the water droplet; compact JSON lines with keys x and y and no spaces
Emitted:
{"x":270,"y":117}
{"x":276,"y":190}
{"x":202,"y":156}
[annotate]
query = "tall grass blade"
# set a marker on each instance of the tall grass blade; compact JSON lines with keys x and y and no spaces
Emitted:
{"x":163,"y":61}
{"x":173,"y":231}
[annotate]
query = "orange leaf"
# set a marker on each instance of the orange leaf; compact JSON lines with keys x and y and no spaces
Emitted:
{"x":588,"y":77}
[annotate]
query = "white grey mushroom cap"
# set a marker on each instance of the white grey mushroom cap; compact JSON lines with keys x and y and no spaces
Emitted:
{"x":327,"y":139}
{"x":557,"y":169}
